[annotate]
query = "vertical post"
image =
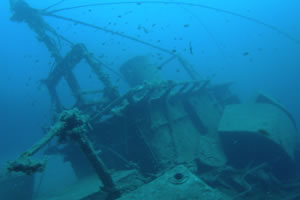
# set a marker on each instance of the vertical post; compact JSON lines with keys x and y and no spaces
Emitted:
{"x":22,"y":12}
{"x":100,"y":169}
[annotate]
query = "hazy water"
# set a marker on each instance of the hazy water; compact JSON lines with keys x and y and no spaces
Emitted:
{"x":225,"y":48}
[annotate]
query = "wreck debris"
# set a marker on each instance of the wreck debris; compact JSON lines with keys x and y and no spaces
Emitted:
{"x":26,"y":165}
{"x":72,"y":124}
{"x":75,"y":126}
{"x":264,"y":125}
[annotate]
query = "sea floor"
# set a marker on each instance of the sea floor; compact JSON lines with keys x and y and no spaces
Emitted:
{"x":78,"y":190}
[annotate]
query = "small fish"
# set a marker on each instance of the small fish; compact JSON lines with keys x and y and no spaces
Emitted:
{"x":263,"y":132}
{"x":128,"y":12}
{"x":186,"y":25}
{"x":145,"y":30}
{"x":246,"y":53}
{"x":191,"y":48}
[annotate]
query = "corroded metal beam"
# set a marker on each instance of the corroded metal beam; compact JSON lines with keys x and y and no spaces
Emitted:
{"x":72,"y":124}
{"x":22,"y":12}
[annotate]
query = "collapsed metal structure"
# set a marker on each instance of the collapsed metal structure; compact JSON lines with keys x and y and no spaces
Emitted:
{"x":186,"y":131}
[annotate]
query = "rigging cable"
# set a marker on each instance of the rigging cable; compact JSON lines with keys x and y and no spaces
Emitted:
{"x":252,"y":19}
{"x":112,"y":32}
{"x":53,"y":5}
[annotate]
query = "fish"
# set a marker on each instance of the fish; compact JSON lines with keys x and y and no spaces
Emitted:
{"x":191,"y":48}
{"x":145,"y":30}
{"x":246,"y":53}
{"x":263,"y":132}
{"x":140,"y":27}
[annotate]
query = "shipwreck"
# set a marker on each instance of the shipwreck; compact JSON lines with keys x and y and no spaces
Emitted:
{"x":161,"y":139}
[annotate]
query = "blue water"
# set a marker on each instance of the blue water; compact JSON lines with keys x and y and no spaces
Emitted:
{"x":224,"y":48}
